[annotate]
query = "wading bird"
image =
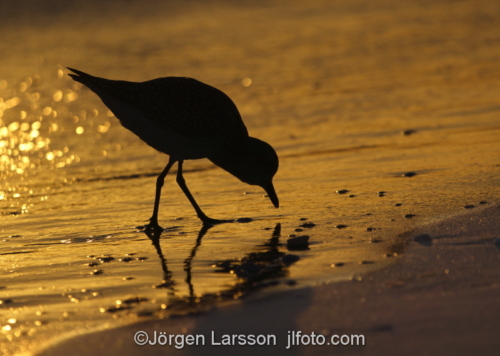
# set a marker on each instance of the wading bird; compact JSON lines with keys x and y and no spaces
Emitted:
{"x":188,"y":119}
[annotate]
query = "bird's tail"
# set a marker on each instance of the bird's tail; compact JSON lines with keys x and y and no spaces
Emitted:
{"x":80,"y":76}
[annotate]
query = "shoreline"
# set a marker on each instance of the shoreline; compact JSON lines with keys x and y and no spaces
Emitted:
{"x":437,"y":298}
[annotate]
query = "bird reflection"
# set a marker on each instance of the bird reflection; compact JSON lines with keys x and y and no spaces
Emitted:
{"x":262,"y":268}
{"x":154,"y":235}
{"x":188,"y":261}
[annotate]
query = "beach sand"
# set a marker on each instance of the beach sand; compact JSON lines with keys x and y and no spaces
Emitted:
{"x":437,"y":299}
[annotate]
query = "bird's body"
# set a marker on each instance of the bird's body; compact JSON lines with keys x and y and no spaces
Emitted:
{"x":188,"y":119}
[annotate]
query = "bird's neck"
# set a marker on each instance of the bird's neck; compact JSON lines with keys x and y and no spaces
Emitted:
{"x":232,"y":158}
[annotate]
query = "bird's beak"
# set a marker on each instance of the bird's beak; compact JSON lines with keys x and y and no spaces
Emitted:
{"x":271,"y":193}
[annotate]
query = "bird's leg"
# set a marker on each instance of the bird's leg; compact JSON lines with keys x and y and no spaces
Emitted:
{"x":153,"y":222}
{"x":182,"y":183}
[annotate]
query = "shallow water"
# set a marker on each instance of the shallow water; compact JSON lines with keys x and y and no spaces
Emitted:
{"x":352,"y":96}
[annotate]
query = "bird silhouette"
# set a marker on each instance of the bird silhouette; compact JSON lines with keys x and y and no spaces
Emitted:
{"x":188,"y":119}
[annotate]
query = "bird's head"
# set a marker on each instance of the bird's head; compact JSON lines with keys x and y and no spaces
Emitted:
{"x":263,"y":164}
{"x":254,"y":162}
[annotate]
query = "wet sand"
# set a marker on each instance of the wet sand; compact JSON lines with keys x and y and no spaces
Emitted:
{"x":385,"y":118}
{"x":439,"y":298}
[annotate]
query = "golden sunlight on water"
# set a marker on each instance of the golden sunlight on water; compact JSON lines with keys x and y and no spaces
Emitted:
{"x":384,"y":116}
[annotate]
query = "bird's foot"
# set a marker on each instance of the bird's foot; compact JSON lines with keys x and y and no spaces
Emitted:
{"x":210,"y":222}
{"x":153,"y":227}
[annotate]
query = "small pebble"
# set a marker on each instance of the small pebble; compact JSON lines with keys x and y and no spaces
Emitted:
{"x":409,"y":216}
{"x":308,"y":224}
{"x":126,"y":259}
{"x":105,"y":259}
{"x":97,"y":272}
{"x":370,"y":229}
{"x":340,"y":226}
{"x":134,"y":300}
{"x":366,"y":262}
{"x":303,"y":219}
{"x":141,"y":258}
{"x":407,"y":132}
{"x":298,"y":243}
{"x":398,"y":204}
{"x":244,"y":220}
{"x":92,"y":264}
{"x":409,"y":174}
{"x":292,"y":235}
{"x":483,"y":202}
{"x":5,"y":301}
{"x":298,"y":230}
{"x":338,"y":264}
{"x":342,"y":191}
{"x":351,"y":196}
{"x":375,"y":240}
{"x":164,"y":284}
{"x":469,"y":206}
{"x":423,"y":239}
{"x":381,"y":194}
{"x":116,"y":309}
{"x":289,"y":259}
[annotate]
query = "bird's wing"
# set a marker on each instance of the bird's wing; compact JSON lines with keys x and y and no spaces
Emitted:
{"x":178,"y":104}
